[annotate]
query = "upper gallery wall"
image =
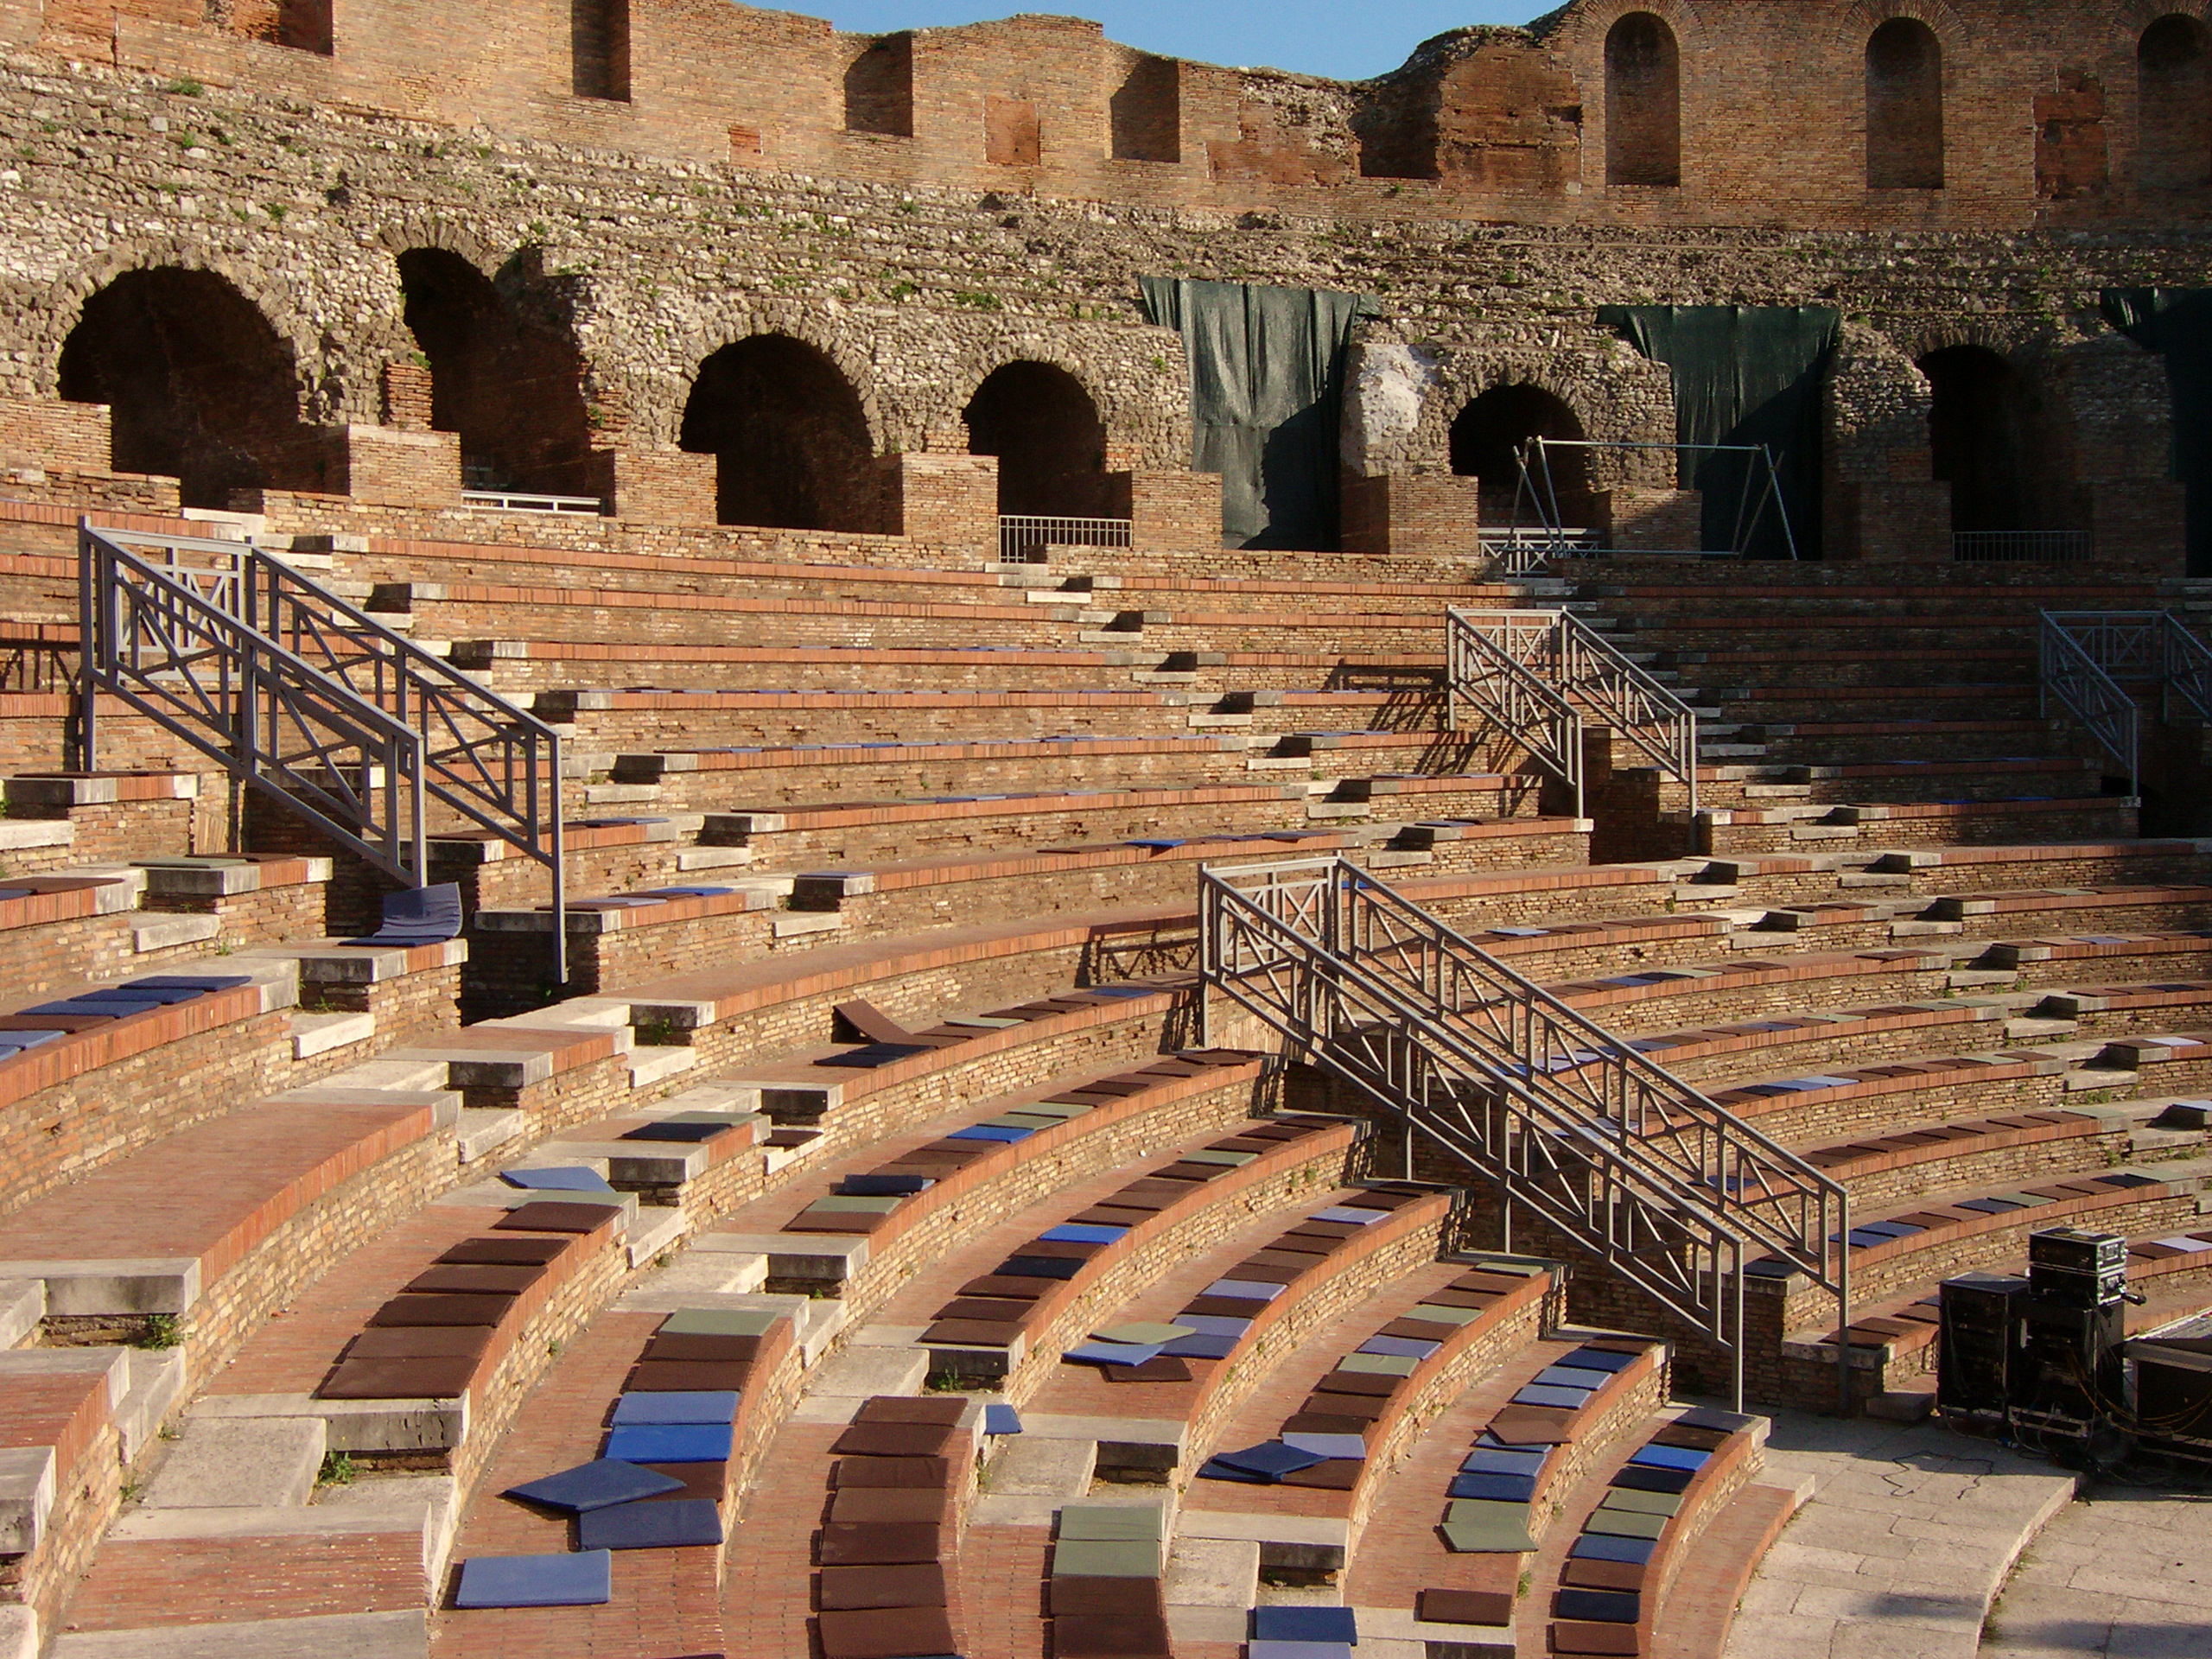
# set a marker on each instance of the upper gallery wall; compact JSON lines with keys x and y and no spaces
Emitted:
{"x":1810,"y":114}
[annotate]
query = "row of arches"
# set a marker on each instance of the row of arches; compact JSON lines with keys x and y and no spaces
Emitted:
{"x":1904,"y":105}
{"x":204,"y":389}
{"x":1989,"y":439}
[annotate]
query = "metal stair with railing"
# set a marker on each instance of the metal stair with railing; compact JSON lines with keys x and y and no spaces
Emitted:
{"x":312,"y":702}
{"x":1658,"y":1183}
{"x":1538,"y":676}
{"x":2087,"y":661}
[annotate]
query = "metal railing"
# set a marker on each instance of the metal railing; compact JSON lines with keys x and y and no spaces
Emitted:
{"x":1023,"y":537}
{"x":314,"y":703}
{"x":1488,"y":658}
{"x":2188,"y":671}
{"x":2020,"y":546}
{"x":1639,"y":1168}
{"x":2088,"y":659}
{"x":531,"y":501}
{"x":1582,"y":669}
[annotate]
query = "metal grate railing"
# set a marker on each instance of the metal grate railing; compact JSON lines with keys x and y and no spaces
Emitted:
{"x":2087,"y":660}
{"x":1581,"y":667}
{"x":527,"y":501}
{"x":2020,"y":547}
{"x":1023,"y":537}
{"x":1636,"y":1167}
{"x":312,"y":702}
{"x":1487,"y":654}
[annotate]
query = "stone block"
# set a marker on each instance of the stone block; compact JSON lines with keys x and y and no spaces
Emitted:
{"x":240,"y":1463}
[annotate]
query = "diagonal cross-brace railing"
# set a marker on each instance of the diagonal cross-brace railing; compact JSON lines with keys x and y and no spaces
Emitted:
{"x":1659,"y":1182}
{"x":2081,"y":657}
{"x":312,"y":702}
{"x":1581,"y":670}
{"x":1487,"y":654}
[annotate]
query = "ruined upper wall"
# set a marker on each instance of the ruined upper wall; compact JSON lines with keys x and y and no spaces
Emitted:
{"x":1766,"y":105}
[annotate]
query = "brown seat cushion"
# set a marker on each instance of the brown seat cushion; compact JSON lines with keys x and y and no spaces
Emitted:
{"x":1013,"y":1286}
{"x":992,"y":1310}
{"x":421,"y":1341}
{"x":1533,"y":1425}
{"x":1367,"y":1407}
{"x":1589,"y":1636}
{"x":1324,"y":1422}
{"x":1603,"y":1575}
{"x":709,"y":1481}
{"x":1076,"y":1597}
{"x":896,"y":1408}
{"x":886,"y":1633}
{"x":399,"y":1379}
{"x":891,"y":1472}
{"x":443,"y":1310}
{"x":551,"y":1216}
{"x":1107,"y":1636}
{"x":476,"y":1278}
{"x":1465,"y":1607}
{"x":1337,"y":1475}
{"x":855,"y":1505}
{"x":988,"y":1333}
{"x":870,"y":1543}
{"x":1165,"y":1369}
{"x":508,"y":1252}
{"x":894,"y":1441}
{"x":685,"y":1375}
{"x":677,"y":1345}
{"x":847,"y":1589}
{"x":1370,"y":1382}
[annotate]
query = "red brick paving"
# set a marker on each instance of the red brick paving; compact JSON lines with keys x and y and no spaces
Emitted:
{"x":1700,"y":1605}
{"x":769,"y":1595}
{"x":1000,"y":1595}
{"x":225,"y":1580}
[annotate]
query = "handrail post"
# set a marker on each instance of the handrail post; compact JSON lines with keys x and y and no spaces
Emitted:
{"x":90,"y":635}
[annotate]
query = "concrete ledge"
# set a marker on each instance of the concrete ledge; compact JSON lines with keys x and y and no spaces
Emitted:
{"x":125,"y":1285}
{"x":357,"y":1636}
{"x":240,"y":1463}
{"x":22,"y":1305}
{"x":173,"y":931}
{"x":20,"y":834}
{"x":828,"y":1256}
{"x":26,"y":1498}
{"x":355,"y":1425}
{"x":156,"y":1384}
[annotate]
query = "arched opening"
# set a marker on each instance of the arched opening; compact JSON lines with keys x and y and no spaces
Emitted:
{"x":512,"y":389}
{"x":788,"y":435}
{"x":2174,"y":116}
{"x":202,"y":388}
{"x":1986,"y":432}
{"x":1043,"y":427}
{"x":1905,"y":107}
{"x":1487,"y":438}
{"x":1644,"y":102}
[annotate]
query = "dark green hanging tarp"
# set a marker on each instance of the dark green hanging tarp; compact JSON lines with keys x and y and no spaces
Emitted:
{"x":1745,"y":374}
{"x":2176,"y":323}
{"x":1267,"y":399}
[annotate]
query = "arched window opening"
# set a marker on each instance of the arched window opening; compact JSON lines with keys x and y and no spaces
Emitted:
{"x":1644,"y":102}
{"x":2173,"y":119}
{"x":202,"y":388}
{"x":789,"y":435}
{"x":1043,"y":427}
{"x":1988,"y":435}
{"x":1487,"y":439}
{"x":1905,"y":107}
{"x":511,"y":389}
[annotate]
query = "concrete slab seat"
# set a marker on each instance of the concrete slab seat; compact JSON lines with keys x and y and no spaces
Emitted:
{"x":1882,"y":921}
{"x":62,"y":1464}
{"x":614,"y":939}
{"x":255,"y":898}
{"x":89,"y":1075}
{"x":609,"y":855}
{"x":1746,"y":787}
{"x":1366,"y":1404}
{"x":56,"y":929}
{"x":688,"y":1157}
{"x":1049,"y":879}
{"x":1949,"y":1232}
{"x":407,"y":992}
{"x":111,"y":815}
{"x":2111,"y":1010}
{"x":862,"y":1231}
{"x":560,"y":1067}
{"x":1635,"y":1534}
{"x":1013,"y":1320}
{"x":1192,"y":1348}
{"x":218,"y":1223}
{"x":34,"y":848}
{"x":889,"y":1546}
{"x":1723,"y":830}
{"x":867,"y":829}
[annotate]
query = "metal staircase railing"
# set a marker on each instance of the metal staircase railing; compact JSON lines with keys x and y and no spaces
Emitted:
{"x":2188,"y":671}
{"x":312,"y":702}
{"x":1657,"y":1181}
{"x":1486,"y":653}
{"x":2082,"y":659}
{"x":1580,"y":667}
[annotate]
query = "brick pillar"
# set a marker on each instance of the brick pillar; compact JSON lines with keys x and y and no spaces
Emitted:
{"x":385,"y":467}
{"x":1890,"y":524}
{"x":407,"y":397}
{"x":951,"y":501}
{"x":1174,"y":512}
{"x":663,"y":487}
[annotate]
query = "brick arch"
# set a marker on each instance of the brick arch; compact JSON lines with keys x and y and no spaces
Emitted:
{"x":2127,"y":19}
{"x":662,"y":410}
{"x":1594,"y":23}
{"x":978,"y":366}
{"x":1859,"y":22}
{"x":792,"y":439}
{"x":1042,"y":416}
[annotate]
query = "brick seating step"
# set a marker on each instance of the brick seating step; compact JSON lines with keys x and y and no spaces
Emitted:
{"x":1725,"y":831}
{"x":1844,"y":742}
{"x":1893,"y":781}
{"x":63,"y":1461}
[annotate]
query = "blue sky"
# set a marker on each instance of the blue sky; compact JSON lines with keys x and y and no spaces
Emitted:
{"x":1316,"y":37}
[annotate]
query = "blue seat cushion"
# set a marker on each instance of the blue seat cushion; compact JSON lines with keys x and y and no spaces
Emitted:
{"x":566,"y":1179}
{"x":672,"y":1443}
{"x":1271,"y":1458}
{"x":1304,"y":1624}
{"x":674,"y":1524}
{"x":594,"y":1485}
{"x":574,"y":1580}
{"x":677,"y":1406}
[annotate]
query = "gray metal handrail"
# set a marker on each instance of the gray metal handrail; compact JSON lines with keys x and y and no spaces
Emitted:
{"x":1568,"y":1118}
{"x":2187,"y":671}
{"x":1578,"y":666}
{"x":1487,"y":668}
{"x":277,"y":677}
{"x":2077,"y":653}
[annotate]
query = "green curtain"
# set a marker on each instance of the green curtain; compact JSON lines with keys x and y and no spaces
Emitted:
{"x":1744,"y":374}
{"x":1267,"y":400}
{"x":2176,"y":323}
